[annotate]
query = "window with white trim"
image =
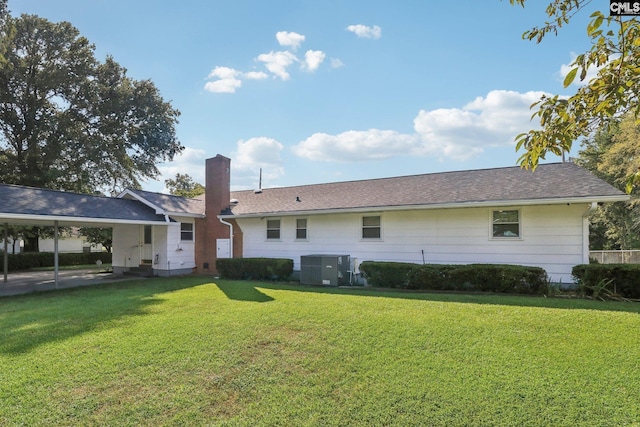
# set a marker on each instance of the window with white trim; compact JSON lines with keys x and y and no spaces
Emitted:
{"x":371,"y":227}
{"x":506,"y":224}
{"x":301,"y":229}
{"x":273,"y":229}
{"x":186,"y":232}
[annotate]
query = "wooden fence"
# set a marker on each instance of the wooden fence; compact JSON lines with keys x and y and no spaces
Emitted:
{"x":616,"y":257}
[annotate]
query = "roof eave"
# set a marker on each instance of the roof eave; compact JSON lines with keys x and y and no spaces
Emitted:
{"x":158,"y":210}
{"x":49,"y":219}
{"x":186,"y":214}
{"x":475,"y":204}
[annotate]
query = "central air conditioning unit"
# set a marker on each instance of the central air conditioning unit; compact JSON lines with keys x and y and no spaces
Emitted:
{"x":327,"y":270}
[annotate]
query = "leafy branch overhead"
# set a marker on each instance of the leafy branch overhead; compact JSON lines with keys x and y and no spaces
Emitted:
{"x":615,"y":54}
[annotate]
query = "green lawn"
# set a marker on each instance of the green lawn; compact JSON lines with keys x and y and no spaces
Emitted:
{"x":190,"y":351}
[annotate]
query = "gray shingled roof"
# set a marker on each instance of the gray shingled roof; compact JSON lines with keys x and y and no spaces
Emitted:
{"x":173,"y":204}
{"x":15,"y":199}
{"x":550,"y":183}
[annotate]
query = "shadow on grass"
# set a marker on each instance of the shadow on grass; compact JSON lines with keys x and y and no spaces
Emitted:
{"x":239,"y":291}
{"x":479,"y":298}
{"x":33,"y":320}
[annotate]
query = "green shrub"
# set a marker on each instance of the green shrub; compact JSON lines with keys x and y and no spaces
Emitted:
{"x":27,"y":260}
{"x":472,"y":277}
{"x":255,"y":268}
{"x":502,"y":278}
{"x":433,"y":277}
{"x":620,"y":279}
{"x":387,"y":274}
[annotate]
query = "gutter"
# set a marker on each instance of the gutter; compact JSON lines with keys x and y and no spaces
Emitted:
{"x":35,"y":219}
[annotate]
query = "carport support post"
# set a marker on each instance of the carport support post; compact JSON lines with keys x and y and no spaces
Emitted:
{"x":55,"y":252}
{"x":5,"y":253}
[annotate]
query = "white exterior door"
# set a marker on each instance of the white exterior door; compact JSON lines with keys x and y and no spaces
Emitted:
{"x":146,"y":246}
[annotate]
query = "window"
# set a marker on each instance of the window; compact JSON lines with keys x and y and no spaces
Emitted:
{"x":506,"y":224}
{"x":186,"y":231}
{"x":301,"y":229}
{"x":371,"y":227}
{"x":273,"y":229}
{"x":147,"y":234}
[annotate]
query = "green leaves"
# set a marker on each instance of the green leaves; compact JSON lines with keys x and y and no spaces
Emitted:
{"x":615,"y":90}
{"x":184,"y":186}
{"x":571,"y":76}
{"x":68,"y":121}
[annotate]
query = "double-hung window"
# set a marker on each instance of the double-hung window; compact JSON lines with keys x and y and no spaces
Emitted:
{"x":506,"y":224}
{"x":273,"y":229}
{"x":371,"y":227}
{"x":301,"y":229}
{"x":186,"y":231}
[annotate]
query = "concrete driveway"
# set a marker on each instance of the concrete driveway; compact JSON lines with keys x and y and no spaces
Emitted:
{"x":36,"y":281}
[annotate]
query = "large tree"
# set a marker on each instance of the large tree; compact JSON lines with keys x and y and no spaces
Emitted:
{"x":71,"y":122}
{"x":613,"y":153}
{"x":614,"y":53}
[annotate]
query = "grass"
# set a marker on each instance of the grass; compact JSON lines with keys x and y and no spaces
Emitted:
{"x":191,"y":351}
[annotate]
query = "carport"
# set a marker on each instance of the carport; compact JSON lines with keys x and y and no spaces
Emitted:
{"x":41,"y":207}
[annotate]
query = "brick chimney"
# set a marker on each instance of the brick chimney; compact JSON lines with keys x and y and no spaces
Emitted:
{"x":217,"y":197}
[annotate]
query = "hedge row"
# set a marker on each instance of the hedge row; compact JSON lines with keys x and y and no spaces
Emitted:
{"x":618,"y":279}
{"x":255,"y":268}
{"x":27,"y":260}
{"x":470,"y":277}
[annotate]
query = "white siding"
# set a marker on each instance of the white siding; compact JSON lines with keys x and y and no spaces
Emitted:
{"x":551,"y":237}
{"x":126,"y":246}
{"x":171,"y":255}
{"x":176,"y":255}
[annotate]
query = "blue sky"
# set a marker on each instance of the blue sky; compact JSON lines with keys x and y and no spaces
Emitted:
{"x":316,"y":91}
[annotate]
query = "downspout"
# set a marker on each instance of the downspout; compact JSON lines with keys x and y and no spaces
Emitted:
{"x":56,"y":265}
{"x":228,"y":224}
{"x":585,"y":231}
{"x":5,"y":254}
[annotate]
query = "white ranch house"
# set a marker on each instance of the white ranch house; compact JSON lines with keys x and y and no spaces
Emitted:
{"x":502,"y":215}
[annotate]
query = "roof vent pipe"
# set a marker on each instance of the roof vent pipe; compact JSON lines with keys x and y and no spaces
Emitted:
{"x":259,"y":189}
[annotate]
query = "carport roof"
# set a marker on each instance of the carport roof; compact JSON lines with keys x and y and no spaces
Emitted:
{"x":20,"y":204}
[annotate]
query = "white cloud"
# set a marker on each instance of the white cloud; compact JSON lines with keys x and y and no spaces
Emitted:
{"x":566,"y":68}
{"x":289,"y":39}
{"x":365,"y":32}
{"x":454,"y":133}
{"x":255,"y":75}
{"x":278,"y":62}
{"x":313,"y":59}
{"x":191,"y":161}
{"x":488,"y":121}
{"x":226,"y":80}
{"x":354,"y":146}
{"x":336,"y":63}
{"x":254,"y":154}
